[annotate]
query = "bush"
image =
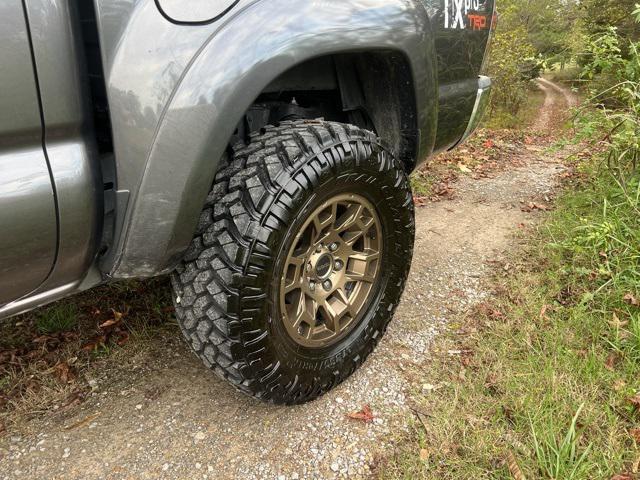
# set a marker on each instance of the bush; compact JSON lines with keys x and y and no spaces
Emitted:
{"x":508,"y":53}
{"x":615,"y":93}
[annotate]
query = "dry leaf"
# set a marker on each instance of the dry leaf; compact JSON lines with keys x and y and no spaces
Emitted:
{"x":635,"y":401}
{"x":619,"y":385}
{"x":95,"y":343}
{"x":109,"y":323}
{"x":631,"y":300}
{"x":123,"y":337}
{"x":364,"y":415}
{"x":516,"y":473}
{"x":622,"y":476}
{"x":424,"y":454}
{"x":610,"y":363}
{"x":635,"y":433}
{"x":615,"y":322}
{"x":64,"y":372}
{"x":117,"y":318}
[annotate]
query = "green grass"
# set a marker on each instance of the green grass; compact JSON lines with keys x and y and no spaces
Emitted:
{"x":422,"y":183}
{"x":58,"y":318}
{"x":552,"y":361}
{"x":32,"y":345}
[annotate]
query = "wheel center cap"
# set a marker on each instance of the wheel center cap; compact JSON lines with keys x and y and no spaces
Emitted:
{"x":324,"y":266}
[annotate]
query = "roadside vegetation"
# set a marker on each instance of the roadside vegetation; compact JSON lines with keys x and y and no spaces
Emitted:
{"x":50,"y":358}
{"x":543,"y":380}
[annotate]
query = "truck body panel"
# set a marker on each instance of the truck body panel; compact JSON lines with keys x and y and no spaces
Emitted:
{"x":27,"y":213}
{"x":50,"y":182}
{"x":133,"y":112}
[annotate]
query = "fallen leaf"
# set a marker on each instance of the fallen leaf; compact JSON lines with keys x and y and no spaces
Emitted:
{"x":610,"y":363}
{"x":631,"y":299}
{"x":622,"y":476}
{"x":117,"y":318}
{"x":420,"y":201}
{"x":365,"y":415}
{"x":123,"y":337}
{"x":64,"y":372}
{"x":424,"y":454}
{"x":618,"y":385}
{"x":635,"y":401}
{"x":95,"y":343}
{"x":516,"y":473}
{"x":109,"y":323}
{"x":488,"y":144}
{"x":615,"y":322}
{"x":463,"y":168}
{"x":635,"y":433}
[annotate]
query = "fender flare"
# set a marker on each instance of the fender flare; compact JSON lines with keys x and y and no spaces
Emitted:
{"x":259,"y":42}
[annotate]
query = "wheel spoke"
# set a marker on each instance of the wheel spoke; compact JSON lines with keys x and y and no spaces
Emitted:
{"x":350,"y":218}
{"x":360,"y":266}
{"x":321,"y":224}
{"x":293,"y":282}
{"x":359,"y":277}
{"x":367,"y":256}
{"x":335,"y":309}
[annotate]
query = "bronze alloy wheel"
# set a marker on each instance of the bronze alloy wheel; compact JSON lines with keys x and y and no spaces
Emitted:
{"x":330,"y":271}
{"x":300,"y":259}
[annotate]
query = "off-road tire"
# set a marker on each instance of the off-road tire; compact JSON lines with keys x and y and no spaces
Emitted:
{"x":225,"y":290}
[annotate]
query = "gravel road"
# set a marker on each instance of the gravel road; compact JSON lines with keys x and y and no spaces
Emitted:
{"x":162,"y":415}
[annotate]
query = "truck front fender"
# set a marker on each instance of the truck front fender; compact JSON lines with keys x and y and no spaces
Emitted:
{"x":258,"y":41}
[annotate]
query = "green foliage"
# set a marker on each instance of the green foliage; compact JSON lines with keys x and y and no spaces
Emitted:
{"x":509,"y":48}
{"x":599,"y":15}
{"x":57,"y":318}
{"x":546,"y":22}
{"x":615,"y":93}
{"x":561,"y":459}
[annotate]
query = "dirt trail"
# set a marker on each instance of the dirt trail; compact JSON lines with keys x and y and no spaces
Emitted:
{"x":164,"y":416}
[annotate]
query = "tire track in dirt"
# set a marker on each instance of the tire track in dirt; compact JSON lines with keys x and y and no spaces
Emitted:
{"x":558,"y":101}
{"x":162,"y":415}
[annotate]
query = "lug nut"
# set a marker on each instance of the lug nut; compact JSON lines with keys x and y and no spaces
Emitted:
{"x":327,"y":285}
{"x":312,"y":286}
{"x":333,"y":247}
{"x":339,"y":265}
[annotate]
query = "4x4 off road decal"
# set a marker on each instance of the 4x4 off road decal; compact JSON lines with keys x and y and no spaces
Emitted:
{"x":461,"y":14}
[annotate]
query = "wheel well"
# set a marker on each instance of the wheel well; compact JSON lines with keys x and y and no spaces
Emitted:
{"x":372,"y":90}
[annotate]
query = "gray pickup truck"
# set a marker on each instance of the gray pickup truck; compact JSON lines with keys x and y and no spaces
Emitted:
{"x":255,"y":150}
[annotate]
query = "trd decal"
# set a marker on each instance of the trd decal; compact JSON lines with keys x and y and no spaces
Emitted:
{"x":461,"y":14}
{"x":477,"y":22}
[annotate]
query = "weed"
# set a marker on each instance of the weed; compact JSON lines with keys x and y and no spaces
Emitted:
{"x":58,"y":318}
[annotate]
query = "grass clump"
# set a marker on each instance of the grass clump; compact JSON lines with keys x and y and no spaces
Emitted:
{"x":548,"y":381}
{"x":61,"y":317}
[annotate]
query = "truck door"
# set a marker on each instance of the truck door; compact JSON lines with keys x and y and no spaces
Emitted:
{"x":28,"y":223}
